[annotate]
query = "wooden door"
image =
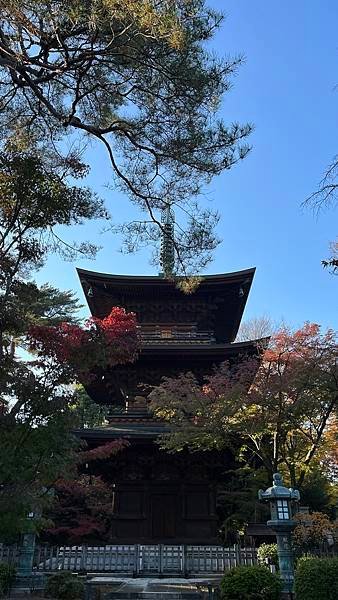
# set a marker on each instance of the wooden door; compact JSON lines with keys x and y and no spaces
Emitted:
{"x":163,"y":516}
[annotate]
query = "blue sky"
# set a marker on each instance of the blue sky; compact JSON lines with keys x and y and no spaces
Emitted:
{"x":287,"y":89}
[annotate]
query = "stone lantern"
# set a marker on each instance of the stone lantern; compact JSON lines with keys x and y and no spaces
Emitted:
{"x":26,"y":555}
{"x":26,"y":577}
{"x":281,"y":500}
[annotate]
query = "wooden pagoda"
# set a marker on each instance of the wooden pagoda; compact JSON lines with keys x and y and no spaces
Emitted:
{"x":161,"y":497}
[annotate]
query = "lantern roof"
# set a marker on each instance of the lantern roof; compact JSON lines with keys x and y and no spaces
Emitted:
{"x":278,"y":491}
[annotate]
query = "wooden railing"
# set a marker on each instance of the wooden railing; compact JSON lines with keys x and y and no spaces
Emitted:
{"x":137,"y":559}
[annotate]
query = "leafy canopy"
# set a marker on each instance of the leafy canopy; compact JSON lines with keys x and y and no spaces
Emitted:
{"x":282,"y":411}
{"x":137,"y":77}
{"x":36,"y":391}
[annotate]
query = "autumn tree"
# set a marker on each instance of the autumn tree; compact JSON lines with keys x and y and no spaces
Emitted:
{"x":137,"y":78}
{"x":312,"y":531}
{"x":83,"y":506}
{"x":296,"y":394}
{"x":35,"y":391}
{"x":36,"y":438}
{"x":81,"y":511}
{"x":279,"y":410}
{"x":205,"y":417}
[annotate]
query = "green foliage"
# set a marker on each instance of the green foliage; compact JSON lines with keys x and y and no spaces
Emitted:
{"x":250,"y":583}
{"x":28,"y":304}
{"x":237,"y":501}
{"x":64,"y":586}
{"x":268,"y":551}
{"x":7,"y":576}
{"x":48,"y":305}
{"x":85,"y":412}
{"x":35,"y":417}
{"x":154,"y":106}
{"x":317,"y":579}
{"x":34,"y":458}
{"x":35,"y":198}
{"x":319,"y":493}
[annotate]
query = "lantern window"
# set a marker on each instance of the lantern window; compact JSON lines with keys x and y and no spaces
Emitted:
{"x":283,"y":510}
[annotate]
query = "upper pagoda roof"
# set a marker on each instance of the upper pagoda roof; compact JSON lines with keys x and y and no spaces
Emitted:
{"x":217,"y":303}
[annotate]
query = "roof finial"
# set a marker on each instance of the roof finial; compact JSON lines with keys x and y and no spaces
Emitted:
{"x":167,"y":252}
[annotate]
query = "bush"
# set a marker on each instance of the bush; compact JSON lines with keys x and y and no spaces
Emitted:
{"x":250,"y":583}
{"x":317,"y":579}
{"x":268,"y":551}
{"x":7,"y":576}
{"x":312,"y":530}
{"x":64,"y":586}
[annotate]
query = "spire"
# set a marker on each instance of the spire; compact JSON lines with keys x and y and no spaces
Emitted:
{"x":167,"y":252}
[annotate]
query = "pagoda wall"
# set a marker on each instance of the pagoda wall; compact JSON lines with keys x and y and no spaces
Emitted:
{"x":164,"y":498}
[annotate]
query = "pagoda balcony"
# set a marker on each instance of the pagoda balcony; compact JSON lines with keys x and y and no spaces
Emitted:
{"x":166,"y":335}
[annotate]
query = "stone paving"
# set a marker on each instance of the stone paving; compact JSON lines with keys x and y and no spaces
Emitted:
{"x":149,"y":588}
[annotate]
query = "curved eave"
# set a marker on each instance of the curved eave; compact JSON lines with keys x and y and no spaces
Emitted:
{"x":236,"y":348}
{"x":119,"y":431}
{"x":123,"y":280}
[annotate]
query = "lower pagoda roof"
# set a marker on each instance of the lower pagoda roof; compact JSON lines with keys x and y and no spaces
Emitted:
{"x":134,"y":430}
{"x":236,"y":348}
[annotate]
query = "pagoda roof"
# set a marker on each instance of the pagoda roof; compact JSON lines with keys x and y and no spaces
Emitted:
{"x":136,"y":430}
{"x":224,"y":351}
{"x":154,"y":361}
{"x":222,"y":295}
{"x":158,"y":280}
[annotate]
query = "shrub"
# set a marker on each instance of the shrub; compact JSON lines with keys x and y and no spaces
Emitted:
{"x":64,"y":586}
{"x":312,"y":530}
{"x":250,"y":583}
{"x":268,"y":551}
{"x":317,"y":579}
{"x":7,"y":576}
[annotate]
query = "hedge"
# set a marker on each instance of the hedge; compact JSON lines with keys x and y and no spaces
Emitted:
{"x":250,"y":583}
{"x":317,"y":579}
{"x":7,"y":576}
{"x":64,"y":586}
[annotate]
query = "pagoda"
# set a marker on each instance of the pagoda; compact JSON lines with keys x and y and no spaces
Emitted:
{"x":161,"y":497}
